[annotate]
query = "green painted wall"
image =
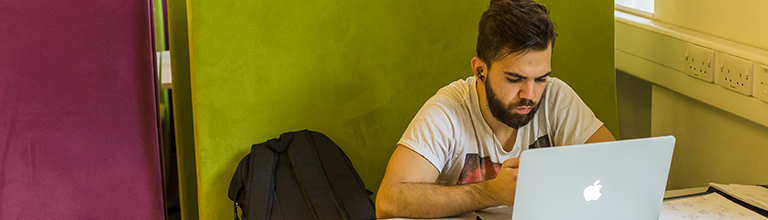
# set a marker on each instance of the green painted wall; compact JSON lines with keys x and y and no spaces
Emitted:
{"x":157,"y":9}
{"x":583,"y":55}
{"x":355,"y":70}
{"x":182,"y":108}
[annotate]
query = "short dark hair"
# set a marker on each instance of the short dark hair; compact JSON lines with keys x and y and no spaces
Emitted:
{"x":513,"y":26}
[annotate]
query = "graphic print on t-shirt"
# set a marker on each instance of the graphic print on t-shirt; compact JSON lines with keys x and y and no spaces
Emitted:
{"x":542,"y":142}
{"x":477,"y":169}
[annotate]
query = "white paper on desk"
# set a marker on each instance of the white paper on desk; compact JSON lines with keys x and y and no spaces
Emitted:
{"x":754,"y":195}
{"x":711,"y":206}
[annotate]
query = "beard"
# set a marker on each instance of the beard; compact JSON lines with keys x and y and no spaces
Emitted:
{"x":505,"y":114}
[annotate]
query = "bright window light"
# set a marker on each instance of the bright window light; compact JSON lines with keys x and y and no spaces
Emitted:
{"x":642,"y":5}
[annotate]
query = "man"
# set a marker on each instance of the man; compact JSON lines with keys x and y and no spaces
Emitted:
{"x":460,"y":152}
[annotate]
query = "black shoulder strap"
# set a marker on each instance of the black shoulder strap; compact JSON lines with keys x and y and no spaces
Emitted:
{"x":312,"y":179}
{"x":262,"y":177}
{"x":347,"y":186}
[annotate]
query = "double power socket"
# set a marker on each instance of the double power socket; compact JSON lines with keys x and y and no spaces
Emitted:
{"x":729,"y":71}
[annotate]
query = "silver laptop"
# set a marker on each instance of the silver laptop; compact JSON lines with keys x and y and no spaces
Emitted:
{"x":610,"y":180}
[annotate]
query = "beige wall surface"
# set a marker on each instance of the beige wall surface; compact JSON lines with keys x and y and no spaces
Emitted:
{"x":743,"y":21}
{"x":712,"y":145}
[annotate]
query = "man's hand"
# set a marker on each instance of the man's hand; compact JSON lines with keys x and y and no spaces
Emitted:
{"x":502,"y":188}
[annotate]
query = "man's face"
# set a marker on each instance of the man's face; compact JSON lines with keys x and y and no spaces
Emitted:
{"x":515,"y":84}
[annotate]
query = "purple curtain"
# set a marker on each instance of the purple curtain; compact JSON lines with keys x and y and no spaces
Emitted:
{"x":78,"y":119}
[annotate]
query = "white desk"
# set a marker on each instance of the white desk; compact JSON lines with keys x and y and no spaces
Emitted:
{"x":505,"y":213}
{"x":502,"y":212}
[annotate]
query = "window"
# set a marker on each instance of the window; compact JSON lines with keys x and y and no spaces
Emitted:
{"x":638,"y":7}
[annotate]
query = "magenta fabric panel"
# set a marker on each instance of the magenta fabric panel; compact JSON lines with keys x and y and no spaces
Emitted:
{"x":78,"y":119}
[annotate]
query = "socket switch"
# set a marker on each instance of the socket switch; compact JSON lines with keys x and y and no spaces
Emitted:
{"x":699,"y":62}
{"x":734,"y":73}
{"x":761,"y":82}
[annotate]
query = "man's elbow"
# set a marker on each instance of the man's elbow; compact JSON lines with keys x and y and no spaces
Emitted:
{"x":384,"y":206}
{"x":382,"y":212}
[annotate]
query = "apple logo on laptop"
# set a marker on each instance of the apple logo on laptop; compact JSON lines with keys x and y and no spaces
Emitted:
{"x":592,"y":192}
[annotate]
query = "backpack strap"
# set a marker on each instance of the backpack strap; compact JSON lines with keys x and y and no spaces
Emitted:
{"x":311,"y":178}
{"x":262,"y":178}
{"x":344,"y":180}
{"x":237,"y":184}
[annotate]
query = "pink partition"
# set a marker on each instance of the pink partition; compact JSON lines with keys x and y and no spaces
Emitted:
{"x":78,"y":118}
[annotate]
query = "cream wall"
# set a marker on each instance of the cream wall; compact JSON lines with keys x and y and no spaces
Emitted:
{"x":712,"y":145}
{"x":743,"y":21}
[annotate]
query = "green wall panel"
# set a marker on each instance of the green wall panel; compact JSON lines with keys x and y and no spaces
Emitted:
{"x":182,"y":108}
{"x":583,"y":55}
{"x":157,"y":9}
{"x":355,"y":70}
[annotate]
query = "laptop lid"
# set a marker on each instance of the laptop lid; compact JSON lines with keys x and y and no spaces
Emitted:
{"x":609,"y":180}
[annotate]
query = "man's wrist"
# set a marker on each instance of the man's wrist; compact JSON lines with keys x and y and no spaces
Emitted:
{"x":488,"y":193}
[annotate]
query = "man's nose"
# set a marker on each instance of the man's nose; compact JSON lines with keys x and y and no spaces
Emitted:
{"x":527,"y":90}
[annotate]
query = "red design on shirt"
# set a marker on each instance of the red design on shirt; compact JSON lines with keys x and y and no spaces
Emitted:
{"x":477,"y":169}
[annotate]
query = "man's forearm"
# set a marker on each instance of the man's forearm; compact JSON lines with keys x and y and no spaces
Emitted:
{"x":425,"y":200}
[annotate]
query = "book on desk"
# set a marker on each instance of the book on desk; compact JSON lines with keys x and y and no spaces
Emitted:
{"x":719,"y":201}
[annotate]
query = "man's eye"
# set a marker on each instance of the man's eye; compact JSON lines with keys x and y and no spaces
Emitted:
{"x":514,"y":80}
{"x":544,"y":79}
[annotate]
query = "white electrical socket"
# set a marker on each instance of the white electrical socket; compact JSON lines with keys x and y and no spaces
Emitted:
{"x":699,"y":62}
{"x":761,"y":82}
{"x":734,"y":73}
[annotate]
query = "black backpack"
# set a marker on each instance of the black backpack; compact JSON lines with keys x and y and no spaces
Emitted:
{"x":301,"y":175}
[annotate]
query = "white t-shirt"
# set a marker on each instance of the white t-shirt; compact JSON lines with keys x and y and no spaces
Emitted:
{"x":450,"y":131}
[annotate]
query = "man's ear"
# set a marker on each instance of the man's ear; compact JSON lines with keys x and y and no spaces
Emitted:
{"x":479,"y":69}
